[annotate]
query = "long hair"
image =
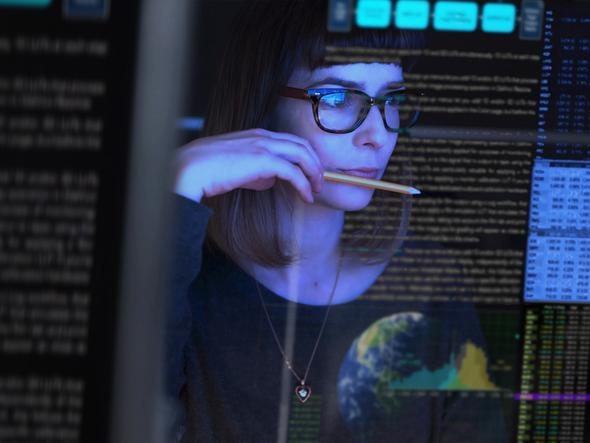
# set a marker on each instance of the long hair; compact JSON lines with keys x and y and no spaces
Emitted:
{"x":269,"y":40}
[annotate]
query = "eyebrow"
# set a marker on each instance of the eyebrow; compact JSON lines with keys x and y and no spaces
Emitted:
{"x":350,"y":84}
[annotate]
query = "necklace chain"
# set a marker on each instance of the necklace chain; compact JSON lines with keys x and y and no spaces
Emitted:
{"x":301,"y":380}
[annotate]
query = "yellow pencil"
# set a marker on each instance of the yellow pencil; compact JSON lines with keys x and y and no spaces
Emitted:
{"x":369,"y":183}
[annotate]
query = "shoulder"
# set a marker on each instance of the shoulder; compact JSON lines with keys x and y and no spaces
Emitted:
{"x":186,"y":206}
{"x":220,"y":276}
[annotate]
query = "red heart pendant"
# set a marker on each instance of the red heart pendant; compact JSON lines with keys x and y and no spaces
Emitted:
{"x":303,"y":393}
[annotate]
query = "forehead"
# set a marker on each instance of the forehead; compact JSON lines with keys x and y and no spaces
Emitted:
{"x":369,"y":76}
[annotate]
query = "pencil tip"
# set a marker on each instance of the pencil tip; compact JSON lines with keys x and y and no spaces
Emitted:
{"x":416,"y":191}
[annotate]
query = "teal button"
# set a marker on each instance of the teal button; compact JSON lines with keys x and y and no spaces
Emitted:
{"x":412,"y":14}
{"x":455,"y":16}
{"x":373,"y":13}
{"x":498,"y":17}
{"x":25,"y":3}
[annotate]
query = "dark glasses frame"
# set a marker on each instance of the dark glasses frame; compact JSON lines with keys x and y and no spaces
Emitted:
{"x":315,"y":95}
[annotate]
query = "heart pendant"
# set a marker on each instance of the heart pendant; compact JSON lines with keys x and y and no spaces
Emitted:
{"x":303,"y":393}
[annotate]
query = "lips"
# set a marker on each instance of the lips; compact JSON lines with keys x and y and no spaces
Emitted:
{"x":361,"y":172}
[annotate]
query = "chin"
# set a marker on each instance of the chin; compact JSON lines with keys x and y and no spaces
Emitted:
{"x":345,"y":197}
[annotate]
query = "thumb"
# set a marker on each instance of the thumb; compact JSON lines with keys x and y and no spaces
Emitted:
{"x":261,"y":184}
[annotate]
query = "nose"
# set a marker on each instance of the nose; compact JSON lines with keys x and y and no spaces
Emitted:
{"x":372,"y":132}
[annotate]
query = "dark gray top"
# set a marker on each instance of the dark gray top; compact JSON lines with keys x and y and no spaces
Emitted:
{"x":372,"y":377}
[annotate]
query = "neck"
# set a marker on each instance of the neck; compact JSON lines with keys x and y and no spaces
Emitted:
{"x":312,"y":235}
{"x":311,"y":232}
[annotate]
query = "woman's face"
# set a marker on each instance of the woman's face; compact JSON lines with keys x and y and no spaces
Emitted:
{"x":366,"y":148}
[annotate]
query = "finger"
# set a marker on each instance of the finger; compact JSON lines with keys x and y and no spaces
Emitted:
{"x":260,"y":132}
{"x":262,"y":184}
{"x":285,"y":170}
{"x":296,"y":154}
{"x":296,"y":139}
{"x":289,"y":137}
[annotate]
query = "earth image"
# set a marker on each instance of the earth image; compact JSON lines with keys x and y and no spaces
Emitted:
{"x":396,"y":355}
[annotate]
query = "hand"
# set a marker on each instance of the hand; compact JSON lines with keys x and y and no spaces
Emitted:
{"x":251,"y":159}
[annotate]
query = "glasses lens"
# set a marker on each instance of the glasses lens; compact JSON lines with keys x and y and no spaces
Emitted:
{"x":401,"y":111}
{"x":342,"y":110}
{"x":339,"y":111}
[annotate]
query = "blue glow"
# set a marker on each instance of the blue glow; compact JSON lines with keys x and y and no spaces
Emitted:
{"x":455,"y":16}
{"x":498,"y":18}
{"x":340,"y":15}
{"x":373,"y":13}
{"x":96,"y":9}
{"x":191,"y":123}
{"x":412,"y":14}
{"x":26,"y":3}
{"x":558,"y":247}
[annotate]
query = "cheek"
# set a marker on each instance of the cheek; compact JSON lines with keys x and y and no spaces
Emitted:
{"x":298,"y":119}
{"x":294,"y":117}
{"x":335,"y":150}
{"x":386,"y":153}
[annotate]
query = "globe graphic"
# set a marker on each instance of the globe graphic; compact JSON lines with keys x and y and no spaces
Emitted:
{"x":401,"y":353}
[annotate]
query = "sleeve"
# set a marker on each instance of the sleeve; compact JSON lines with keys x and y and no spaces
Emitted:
{"x":189,"y":228}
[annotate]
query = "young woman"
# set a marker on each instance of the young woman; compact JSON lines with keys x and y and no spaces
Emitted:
{"x":267,"y":317}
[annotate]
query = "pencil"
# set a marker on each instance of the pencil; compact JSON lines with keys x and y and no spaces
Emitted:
{"x":369,"y":183}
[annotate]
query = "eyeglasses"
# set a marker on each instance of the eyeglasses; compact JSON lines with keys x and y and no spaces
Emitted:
{"x":341,"y":111}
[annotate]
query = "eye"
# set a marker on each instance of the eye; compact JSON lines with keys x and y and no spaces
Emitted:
{"x":395,"y":98}
{"x":336,"y":100}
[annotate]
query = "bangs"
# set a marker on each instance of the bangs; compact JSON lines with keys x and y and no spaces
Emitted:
{"x":268,"y":41}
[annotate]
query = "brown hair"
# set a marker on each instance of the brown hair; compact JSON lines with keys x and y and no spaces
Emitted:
{"x":268,"y":41}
